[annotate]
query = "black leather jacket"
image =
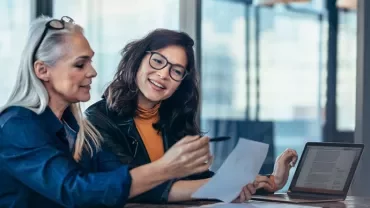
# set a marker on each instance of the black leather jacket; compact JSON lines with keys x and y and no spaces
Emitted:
{"x":121,"y":137}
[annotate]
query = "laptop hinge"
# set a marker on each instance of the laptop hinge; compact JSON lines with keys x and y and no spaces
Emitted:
{"x":316,"y":195}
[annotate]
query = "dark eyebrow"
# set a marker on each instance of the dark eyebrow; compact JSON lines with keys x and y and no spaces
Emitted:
{"x":179,"y":65}
{"x":169,"y":61}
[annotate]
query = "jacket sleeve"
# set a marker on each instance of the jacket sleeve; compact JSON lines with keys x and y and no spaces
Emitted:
{"x":27,"y":153}
{"x":105,"y":161}
{"x":204,"y":175}
{"x":122,"y":155}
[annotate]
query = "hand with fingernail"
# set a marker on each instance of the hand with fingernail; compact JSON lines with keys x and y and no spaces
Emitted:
{"x":246,"y":193}
{"x":276,"y":181}
{"x":279,"y":177}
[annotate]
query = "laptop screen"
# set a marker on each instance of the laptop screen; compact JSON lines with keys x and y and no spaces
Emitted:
{"x":326,"y":168}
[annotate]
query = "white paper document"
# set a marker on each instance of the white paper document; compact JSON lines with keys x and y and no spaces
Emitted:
{"x":240,"y":168}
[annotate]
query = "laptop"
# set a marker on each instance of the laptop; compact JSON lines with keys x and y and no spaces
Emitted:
{"x":324,"y":174}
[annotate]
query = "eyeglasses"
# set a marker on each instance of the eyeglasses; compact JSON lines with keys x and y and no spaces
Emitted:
{"x":54,"y":25}
{"x":158,"y":61}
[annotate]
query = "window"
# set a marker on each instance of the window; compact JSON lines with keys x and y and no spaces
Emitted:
{"x":15,"y":16}
{"x":346,"y":71}
{"x":223,"y":60}
{"x":292,"y":74}
{"x":110,"y":25}
{"x":271,"y":63}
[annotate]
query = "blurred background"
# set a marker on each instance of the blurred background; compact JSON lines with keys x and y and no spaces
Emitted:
{"x":280,"y":72}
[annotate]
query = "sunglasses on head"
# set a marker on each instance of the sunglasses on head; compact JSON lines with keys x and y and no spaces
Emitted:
{"x":53,"y":24}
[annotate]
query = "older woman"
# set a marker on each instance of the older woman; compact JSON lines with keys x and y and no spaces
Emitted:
{"x":49,"y":155}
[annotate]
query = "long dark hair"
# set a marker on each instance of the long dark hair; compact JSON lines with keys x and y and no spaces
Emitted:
{"x":178,"y":113}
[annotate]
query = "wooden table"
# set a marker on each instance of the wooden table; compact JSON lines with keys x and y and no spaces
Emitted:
{"x":351,"y":202}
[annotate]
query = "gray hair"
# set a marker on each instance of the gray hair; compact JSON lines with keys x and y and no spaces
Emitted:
{"x":29,"y":92}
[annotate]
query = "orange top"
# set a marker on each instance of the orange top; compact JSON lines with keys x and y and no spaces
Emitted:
{"x":153,"y":141}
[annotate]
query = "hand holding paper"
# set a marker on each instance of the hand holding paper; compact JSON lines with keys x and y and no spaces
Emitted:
{"x":240,"y":168}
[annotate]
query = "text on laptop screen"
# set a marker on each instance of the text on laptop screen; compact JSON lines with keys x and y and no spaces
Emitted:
{"x":326,"y":168}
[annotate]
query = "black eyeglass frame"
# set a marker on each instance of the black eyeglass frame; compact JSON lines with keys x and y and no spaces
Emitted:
{"x":48,"y":26}
{"x":167,"y":63}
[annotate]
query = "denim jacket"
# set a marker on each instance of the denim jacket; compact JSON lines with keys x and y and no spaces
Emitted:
{"x":37,"y":168}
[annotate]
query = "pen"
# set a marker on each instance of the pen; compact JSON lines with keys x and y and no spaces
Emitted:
{"x":218,"y":139}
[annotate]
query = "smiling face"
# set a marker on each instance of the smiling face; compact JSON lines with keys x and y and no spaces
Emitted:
{"x":69,"y":80}
{"x":156,"y":85}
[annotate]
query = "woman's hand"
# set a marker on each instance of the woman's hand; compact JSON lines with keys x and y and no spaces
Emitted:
{"x":188,"y":156}
{"x":245,"y":194}
{"x":282,"y":166}
{"x":279,"y":177}
{"x":265,"y":182}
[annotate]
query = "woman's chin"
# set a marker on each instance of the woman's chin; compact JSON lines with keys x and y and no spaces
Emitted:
{"x":155,"y":99}
{"x":84,"y":98}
